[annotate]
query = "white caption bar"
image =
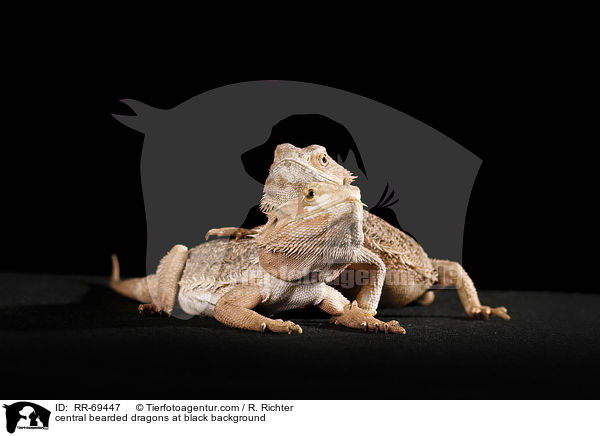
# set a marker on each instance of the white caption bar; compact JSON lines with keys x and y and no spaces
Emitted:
{"x":294,"y":417}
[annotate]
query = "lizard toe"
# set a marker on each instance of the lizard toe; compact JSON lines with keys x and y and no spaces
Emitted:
{"x":484,"y":312}
{"x":278,"y":326}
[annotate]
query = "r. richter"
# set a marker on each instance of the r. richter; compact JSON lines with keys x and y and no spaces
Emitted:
{"x":275,"y":408}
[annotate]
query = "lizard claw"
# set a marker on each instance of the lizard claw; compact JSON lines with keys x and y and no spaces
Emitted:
{"x":298,"y":330}
{"x":358,"y":318}
{"x":395,"y":327}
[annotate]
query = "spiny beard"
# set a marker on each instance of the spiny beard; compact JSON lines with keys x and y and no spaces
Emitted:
{"x":337,"y":241}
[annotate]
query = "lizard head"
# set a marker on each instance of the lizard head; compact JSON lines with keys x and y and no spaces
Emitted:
{"x":319,"y":228}
{"x":294,"y":168}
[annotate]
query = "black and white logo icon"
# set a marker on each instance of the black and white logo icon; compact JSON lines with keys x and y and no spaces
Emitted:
{"x":26,"y":415}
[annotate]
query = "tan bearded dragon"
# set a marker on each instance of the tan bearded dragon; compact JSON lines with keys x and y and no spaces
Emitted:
{"x":410,"y":273}
{"x":309,"y":240}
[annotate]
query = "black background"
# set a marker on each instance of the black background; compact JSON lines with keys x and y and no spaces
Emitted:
{"x":72,"y":190}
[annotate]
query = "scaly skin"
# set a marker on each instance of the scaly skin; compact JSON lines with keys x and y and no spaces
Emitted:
{"x":308,"y":241}
{"x":410,"y":273}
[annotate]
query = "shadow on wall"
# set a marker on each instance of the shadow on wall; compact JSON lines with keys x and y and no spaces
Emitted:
{"x":190,"y":147}
{"x":302,"y":131}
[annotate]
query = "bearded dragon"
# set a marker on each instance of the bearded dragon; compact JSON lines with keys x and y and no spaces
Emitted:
{"x":410,"y":273}
{"x":309,"y":240}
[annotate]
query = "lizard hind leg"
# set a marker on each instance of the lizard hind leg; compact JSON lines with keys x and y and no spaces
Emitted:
{"x":165,"y":288}
{"x":453,"y":274}
{"x":426,"y":299}
{"x":157,"y":291}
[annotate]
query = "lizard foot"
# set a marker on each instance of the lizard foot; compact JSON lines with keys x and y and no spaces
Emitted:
{"x":151,"y":309}
{"x":357,"y":318}
{"x":280,"y":326}
{"x":236,"y":232}
{"x":484,"y":312}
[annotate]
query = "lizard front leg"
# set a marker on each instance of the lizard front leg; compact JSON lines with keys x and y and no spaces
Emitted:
{"x":228,"y":232}
{"x":453,"y":274}
{"x":351,"y":315}
{"x":235,"y":310}
{"x":372,"y":282}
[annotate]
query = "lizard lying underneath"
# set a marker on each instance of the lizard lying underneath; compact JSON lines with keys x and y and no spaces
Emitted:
{"x":410,"y":272}
{"x":310,"y":240}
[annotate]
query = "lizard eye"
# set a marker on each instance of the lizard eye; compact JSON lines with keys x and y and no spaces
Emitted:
{"x":310,"y":195}
{"x":324,"y":160}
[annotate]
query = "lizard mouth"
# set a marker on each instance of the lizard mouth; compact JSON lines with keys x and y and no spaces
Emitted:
{"x":327,"y":207}
{"x":318,"y":175}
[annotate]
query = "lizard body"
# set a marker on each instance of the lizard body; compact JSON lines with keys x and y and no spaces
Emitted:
{"x":410,"y":272}
{"x":309,"y":240}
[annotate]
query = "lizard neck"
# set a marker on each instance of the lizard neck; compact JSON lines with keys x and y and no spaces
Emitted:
{"x":309,"y":268}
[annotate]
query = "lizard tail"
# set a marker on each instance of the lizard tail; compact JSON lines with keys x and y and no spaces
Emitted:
{"x":136,"y":289}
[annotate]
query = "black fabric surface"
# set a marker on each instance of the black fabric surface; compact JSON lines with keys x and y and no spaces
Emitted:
{"x":73,"y":337}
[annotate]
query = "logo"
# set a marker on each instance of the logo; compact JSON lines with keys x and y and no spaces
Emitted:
{"x":26,"y":415}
